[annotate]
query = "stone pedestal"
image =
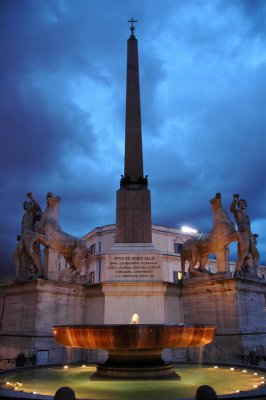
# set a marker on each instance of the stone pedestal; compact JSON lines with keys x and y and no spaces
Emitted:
{"x":29,"y":310}
{"x":115,"y":303}
{"x":51,"y":265}
{"x":136,"y":364}
{"x":132,"y":283}
{"x":222,"y":261}
{"x":237,"y":307}
{"x":143,"y":298}
{"x":133,"y":215}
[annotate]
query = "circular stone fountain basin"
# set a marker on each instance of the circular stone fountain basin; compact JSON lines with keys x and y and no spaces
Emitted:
{"x":134,"y":351}
{"x":133,"y":336}
{"x":46,"y":380}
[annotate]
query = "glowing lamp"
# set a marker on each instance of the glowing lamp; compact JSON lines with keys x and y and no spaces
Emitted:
{"x":187,"y":229}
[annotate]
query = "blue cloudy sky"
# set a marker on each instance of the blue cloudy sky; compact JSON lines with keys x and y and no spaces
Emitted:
{"x":203,"y":95}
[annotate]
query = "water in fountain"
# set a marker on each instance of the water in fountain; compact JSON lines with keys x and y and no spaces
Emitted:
{"x":47,"y":380}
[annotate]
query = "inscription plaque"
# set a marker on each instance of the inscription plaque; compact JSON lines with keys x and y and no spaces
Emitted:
{"x":131,"y":267}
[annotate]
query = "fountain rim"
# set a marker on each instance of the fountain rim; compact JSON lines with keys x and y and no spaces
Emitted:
{"x":134,"y":326}
{"x":246,"y":395}
{"x":133,"y":336}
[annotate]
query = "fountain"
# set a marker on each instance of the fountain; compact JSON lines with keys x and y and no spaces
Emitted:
{"x":134,"y":350}
{"x":42,"y":382}
{"x":132,"y":277}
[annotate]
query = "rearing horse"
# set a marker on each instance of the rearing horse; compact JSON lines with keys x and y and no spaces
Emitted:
{"x":223,"y":232}
{"x":49,"y":233}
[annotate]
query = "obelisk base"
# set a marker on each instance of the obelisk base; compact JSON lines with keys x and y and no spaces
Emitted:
{"x":133,"y":216}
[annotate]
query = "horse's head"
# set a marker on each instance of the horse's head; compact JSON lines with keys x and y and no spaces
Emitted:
{"x":216,"y":202}
{"x":52,"y":200}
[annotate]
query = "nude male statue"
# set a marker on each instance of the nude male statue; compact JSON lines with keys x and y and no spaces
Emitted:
{"x":238,"y":208}
{"x":27,"y":258}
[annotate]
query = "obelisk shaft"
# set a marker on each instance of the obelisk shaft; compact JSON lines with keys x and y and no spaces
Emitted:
{"x":133,"y":204}
{"x":133,"y":144}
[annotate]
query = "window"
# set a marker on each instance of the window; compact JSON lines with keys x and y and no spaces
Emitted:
{"x":92,"y":277}
{"x":178,"y":248}
{"x":92,"y":248}
{"x":177,"y":276}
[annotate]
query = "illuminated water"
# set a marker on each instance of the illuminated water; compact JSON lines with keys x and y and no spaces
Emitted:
{"x":48,"y":380}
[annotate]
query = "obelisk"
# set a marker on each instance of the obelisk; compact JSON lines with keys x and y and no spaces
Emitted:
{"x":133,"y":274}
{"x":133,"y":259}
{"x":133,"y":204}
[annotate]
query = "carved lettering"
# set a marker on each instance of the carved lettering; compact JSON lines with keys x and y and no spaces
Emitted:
{"x":133,"y":267}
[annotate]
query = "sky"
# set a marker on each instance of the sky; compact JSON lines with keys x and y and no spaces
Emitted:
{"x":62,"y":109}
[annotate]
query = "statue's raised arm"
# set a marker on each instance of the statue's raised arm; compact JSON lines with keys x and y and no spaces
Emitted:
{"x":35,"y":206}
{"x":234,"y":203}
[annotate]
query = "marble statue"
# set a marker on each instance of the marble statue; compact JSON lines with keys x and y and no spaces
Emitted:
{"x":49,"y":234}
{"x":27,"y":256}
{"x":254,"y":254}
{"x":222,"y":233}
{"x":249,"y":252}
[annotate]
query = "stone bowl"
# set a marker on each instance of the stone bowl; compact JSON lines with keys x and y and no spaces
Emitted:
{"x":133,"y":336}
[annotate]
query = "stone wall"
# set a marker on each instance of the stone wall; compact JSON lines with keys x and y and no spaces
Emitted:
{"x":237,"y":307}
{"x":29,"y":310}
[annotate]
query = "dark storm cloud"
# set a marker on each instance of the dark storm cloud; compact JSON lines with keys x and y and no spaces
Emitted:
{"x":62,"y":107}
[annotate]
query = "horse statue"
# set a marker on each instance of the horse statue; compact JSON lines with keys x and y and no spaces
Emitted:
{"x":222,"y":233}
{"x":49,"y":233}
